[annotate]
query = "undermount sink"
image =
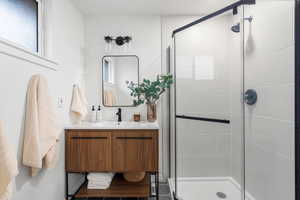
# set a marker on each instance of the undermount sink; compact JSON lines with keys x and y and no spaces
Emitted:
{"x":115,"y":125}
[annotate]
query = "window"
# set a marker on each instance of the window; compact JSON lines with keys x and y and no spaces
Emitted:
{"x":20,"y":24}
{"x":108,"y":71}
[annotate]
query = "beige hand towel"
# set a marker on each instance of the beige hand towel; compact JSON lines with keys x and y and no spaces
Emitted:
{"x":8,"y":167}
{"x":109,"y":98}
{"x":79,"y":105}
{"x":41,"y":131}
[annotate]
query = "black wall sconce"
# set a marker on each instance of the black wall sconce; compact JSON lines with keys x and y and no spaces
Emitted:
{"x":120,"y":40}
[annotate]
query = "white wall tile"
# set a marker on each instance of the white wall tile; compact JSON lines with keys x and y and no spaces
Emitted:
{"x":274,"y":101}
{"x":269,"y":69}
{"x":272,"y":135}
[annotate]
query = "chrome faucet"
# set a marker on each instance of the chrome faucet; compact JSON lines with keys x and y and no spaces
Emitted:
{"x":119,"y":113}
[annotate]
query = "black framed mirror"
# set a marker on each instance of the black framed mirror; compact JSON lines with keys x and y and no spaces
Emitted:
{"x":117,"y":70}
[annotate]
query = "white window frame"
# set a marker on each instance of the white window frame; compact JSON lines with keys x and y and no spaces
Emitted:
{"x":111,"y":71}
{"x":18,"y":51}
{"x":41,"y":27}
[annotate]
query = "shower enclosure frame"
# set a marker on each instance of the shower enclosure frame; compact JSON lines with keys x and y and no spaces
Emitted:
{"x":297,"y":99}
{"x":297,"y":85}
{"x":232,"y":7}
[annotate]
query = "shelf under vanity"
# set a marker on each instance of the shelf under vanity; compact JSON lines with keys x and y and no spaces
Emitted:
{"x":119,"y":188}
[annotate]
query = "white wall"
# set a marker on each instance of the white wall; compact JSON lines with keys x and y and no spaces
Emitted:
{"x":146,"y":44}
{"x":145,"y":32}
{"x":269,"y":69}
{"x":66,"y":31}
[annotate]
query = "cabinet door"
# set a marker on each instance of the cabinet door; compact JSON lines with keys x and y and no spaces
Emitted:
{"x":88,"y":151}
{"x":135,"y":151}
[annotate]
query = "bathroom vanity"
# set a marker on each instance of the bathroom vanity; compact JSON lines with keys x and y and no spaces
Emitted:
{"x":113,"y":147}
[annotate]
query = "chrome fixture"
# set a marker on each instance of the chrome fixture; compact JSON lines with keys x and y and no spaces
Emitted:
{"x":249,"y":19}
{"x":237,"y":28}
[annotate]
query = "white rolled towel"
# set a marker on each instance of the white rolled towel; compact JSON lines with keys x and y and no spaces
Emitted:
{"x":100,"y":186}
{"x":97,"y":187}
{"x":100,"y":180}
{"x":101,"y":176}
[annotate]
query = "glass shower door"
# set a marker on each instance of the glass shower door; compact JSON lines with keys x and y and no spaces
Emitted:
{"x":208,"y":110}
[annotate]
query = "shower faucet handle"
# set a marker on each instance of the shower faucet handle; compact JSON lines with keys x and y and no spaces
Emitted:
{"x":250,"y":97}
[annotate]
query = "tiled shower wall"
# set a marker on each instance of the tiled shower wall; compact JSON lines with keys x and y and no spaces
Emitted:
{"x":269,"y":69}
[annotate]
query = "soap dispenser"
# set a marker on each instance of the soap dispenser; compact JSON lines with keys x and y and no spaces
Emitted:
{"x":93,"y":114}
{"x":99,"y":114}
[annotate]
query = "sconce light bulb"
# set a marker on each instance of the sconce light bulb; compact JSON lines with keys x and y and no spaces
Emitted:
{"x":127,"y":39}
{"x":108,"y":39}
{"x":120,"y":40}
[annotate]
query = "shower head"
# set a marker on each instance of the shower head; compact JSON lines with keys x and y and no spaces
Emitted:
{"x":236,"y":28}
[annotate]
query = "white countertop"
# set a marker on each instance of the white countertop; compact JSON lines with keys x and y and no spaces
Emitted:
{"x":105,"y":125}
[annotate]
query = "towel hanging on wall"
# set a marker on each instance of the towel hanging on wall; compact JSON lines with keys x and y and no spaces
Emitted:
{"x":8,"y":167}
{"x":41,"y":131}
{"x":109,"y":98}
{"x":78,"y":109}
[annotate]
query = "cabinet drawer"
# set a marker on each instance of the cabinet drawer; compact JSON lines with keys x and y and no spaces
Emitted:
{"x":135,"y":151}
{"x":88,"y":151}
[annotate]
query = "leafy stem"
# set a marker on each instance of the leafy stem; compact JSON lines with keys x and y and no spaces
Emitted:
{"x":148,"y":91}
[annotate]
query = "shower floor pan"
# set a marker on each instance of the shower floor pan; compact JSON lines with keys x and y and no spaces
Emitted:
{"x":216,"y":188}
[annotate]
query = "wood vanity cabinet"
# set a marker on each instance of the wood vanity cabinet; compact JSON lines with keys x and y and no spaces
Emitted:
{"x":88,"y":151}
{"x":134,"y":151}
{"x":111,"y":150}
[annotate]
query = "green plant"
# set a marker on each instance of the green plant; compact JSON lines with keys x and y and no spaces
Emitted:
{"x":149,"y":91}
